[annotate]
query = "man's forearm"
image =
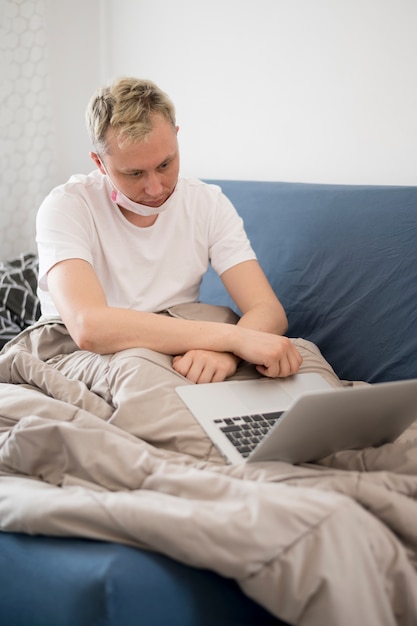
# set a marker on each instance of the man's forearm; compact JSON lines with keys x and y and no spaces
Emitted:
{"x":109,"y":330}
{"x":266,"y":317}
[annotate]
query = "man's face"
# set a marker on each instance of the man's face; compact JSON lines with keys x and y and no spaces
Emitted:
{"x":147,"y":171}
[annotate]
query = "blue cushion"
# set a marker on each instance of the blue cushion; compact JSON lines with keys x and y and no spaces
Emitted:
{"x":343,"y":261}
{"x":46,"y":581}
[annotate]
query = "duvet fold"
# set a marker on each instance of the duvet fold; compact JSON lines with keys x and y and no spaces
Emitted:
{"x":333,"y":542}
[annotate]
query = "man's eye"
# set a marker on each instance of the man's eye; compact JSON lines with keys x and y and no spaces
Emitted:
{"x":135,"y":174}
{"x":164,"y":166}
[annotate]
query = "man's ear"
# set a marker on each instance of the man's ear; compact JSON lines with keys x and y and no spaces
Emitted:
{"x":94,"y":156}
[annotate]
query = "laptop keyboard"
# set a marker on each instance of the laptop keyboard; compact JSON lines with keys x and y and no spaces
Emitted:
{"x":246,"y":431}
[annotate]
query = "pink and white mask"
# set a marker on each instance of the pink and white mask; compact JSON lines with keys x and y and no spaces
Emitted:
{"x":126,"y":203}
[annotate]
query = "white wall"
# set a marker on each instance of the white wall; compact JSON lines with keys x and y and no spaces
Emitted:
{"x":76,"y":62}
{"x":322,"y":91}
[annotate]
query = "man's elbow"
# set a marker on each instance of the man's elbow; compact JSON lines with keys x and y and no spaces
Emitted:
{"x":282,"y":320}
{"x":85,"y":331}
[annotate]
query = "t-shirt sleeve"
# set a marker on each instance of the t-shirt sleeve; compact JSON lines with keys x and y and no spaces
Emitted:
{"x":63,"y":231}
{"x":229,"y":243}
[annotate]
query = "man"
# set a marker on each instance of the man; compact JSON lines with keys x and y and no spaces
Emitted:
{"x":134,"y":239}
{"x":120,"y":251}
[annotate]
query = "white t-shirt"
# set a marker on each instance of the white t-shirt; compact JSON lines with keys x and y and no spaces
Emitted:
{"x":148,"y":269}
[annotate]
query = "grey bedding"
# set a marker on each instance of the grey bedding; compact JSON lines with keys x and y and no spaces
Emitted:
{"x":19,"y":304}
{"x":102,"y":447}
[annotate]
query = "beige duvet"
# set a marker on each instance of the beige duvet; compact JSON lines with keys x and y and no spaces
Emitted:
{"x":102,"y":447}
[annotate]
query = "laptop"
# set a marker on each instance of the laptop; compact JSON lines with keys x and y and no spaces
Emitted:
{"x":299,"y":419}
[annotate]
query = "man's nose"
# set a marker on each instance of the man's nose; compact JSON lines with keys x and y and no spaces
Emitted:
{"x":153,"y":185}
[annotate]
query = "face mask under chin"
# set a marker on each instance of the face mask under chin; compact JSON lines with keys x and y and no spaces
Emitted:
{"x":140,"y":209}
{"x":123,"y":201}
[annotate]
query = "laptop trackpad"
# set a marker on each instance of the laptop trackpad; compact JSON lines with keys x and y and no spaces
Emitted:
{"x":262,"y":395}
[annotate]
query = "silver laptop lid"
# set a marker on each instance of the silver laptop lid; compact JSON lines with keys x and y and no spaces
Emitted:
{"x":321,"y":423}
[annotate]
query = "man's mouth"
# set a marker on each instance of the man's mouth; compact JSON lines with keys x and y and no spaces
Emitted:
{"x":154,"y":203}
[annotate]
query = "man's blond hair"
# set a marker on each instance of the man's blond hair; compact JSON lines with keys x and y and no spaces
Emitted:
{"x":127,"y":106}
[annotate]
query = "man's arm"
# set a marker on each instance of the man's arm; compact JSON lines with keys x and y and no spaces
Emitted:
{"x":261,"y":311}
{"x":98,"y":327}
{"x":95,"y":326}
{"x":250,"y":290}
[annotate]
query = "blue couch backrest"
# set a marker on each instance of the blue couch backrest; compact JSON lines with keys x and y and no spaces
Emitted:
{"x":343,"y":261}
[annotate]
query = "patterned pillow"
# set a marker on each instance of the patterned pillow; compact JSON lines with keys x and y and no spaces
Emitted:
{"x":19,"y":304}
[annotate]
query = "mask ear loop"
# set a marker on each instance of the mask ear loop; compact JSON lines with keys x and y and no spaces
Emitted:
{"x":113,"y":191}
{"x":113,"y":194}
{"x":100,"y":160}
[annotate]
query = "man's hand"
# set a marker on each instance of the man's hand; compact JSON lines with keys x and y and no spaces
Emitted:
{"x":275,"y":356}
{"x":205,"y":366}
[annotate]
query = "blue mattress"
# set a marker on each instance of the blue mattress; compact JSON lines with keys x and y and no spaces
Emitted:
{"x":47,"y":581}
